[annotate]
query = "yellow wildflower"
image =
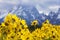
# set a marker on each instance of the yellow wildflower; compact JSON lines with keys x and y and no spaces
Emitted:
{"x":34,"y":23}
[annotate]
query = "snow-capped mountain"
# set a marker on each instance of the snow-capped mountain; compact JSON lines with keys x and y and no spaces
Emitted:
{"x":54,"y":17}
{"x":30,"y":13}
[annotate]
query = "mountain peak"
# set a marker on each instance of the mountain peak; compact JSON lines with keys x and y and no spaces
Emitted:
{"x":30,"y":13}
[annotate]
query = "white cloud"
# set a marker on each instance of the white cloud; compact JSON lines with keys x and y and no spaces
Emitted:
{"x":43,"y":5}
{"x":34,"y":2}
{"x":25,"y":1}
{"x":9,"y":1}
{"x":54,"y":8}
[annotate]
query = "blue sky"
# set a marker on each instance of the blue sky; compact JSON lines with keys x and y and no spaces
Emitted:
{"x":41,"y":5}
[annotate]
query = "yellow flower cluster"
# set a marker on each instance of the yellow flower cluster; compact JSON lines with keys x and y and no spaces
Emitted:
{"x":14,"y":28}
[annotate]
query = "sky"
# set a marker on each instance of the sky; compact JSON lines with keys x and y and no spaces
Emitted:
{"x":42,"y":5}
